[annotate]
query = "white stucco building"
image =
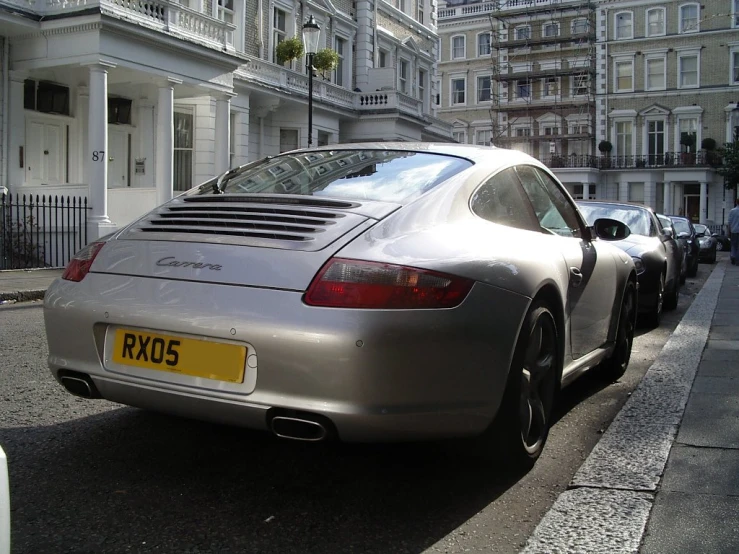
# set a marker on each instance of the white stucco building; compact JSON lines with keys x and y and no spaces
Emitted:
{"x":126,"y":102}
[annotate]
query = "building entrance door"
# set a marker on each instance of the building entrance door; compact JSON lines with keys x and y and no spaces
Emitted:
{"x":46,"y":152}
{"x":691,"y":207}
{"x":119,"y":158}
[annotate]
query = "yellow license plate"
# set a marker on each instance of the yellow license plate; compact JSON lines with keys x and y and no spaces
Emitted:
{"x":184,"y":356}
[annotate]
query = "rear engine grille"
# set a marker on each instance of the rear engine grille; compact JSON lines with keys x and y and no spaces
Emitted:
{"x":282,"y":219}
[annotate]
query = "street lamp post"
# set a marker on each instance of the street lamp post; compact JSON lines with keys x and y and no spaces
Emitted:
{"x":311,"y":37}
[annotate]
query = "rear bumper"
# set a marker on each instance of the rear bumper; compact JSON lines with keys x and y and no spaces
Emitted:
{"x":377,"y":375}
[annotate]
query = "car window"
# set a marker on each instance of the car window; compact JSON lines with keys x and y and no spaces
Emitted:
{"x":666,"y":223}
{"x":681,"y":226}
{"x":502,"y":201}
{"x":553,"y":210}
{"x":382,"y":175}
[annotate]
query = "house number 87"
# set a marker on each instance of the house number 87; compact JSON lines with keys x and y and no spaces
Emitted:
{"x":98,"y":155}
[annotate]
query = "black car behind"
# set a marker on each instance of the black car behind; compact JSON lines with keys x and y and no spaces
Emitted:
{"x":687,"y":236}
{"x":657,"y":255}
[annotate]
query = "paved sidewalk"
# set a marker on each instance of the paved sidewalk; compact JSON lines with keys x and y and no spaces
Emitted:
{"x":664,"y":478}
{"x":26,"y":284}
{"x":697,"y":505}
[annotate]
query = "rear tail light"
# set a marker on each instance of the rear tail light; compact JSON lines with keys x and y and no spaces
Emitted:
{"x":345,"y":283}
{"x":79,"y":265}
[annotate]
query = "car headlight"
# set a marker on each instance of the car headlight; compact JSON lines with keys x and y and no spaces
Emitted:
{"x":639,"y":265}
{"x":704,"y":242}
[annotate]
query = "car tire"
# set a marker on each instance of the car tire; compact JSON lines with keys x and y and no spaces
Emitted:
{"x":517,"y":435}
{"x":713,"y":257}
{"x":672,"y":297}
{"x":614,"y":367}
{"x":654,"y":318}
{"x":719,"y":246}
{"x":693,"y":269}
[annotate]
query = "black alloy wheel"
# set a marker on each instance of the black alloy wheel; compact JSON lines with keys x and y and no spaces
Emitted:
{"x":614,"y":367}
{"x":655,"y":316}
{"x":521,"y":427}
{"x":671,"y":298}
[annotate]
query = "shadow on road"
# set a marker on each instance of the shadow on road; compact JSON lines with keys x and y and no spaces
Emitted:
{"x":130,"y":479}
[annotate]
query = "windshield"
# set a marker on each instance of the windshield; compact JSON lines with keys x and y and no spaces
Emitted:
{"x":636,"y":218}
{"x":382,"y":175}
{"x":699,"y":228}
{"x":681,"y":226}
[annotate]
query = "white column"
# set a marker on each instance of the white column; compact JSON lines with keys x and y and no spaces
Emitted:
{"x":241,"y":138}
{"x":667,"y":198}
{"x":223,"y":134}
{"x":97,"y":151}
{"x":165,"y":142}
{"x":623,"y":191}
{"x":702,"y":216}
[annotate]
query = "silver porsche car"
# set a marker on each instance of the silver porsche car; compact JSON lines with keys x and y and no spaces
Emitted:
{"x":366,"y":292}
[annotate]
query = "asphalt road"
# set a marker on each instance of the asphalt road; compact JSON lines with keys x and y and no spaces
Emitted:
{"x":92,"y":476}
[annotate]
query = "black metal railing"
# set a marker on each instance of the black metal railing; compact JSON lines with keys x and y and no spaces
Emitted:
{"x":668,"y":159}
{"x":41,"y":231}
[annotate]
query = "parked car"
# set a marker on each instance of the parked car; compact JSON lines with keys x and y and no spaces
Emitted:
{"x":376,"y":292}
{"x":723,"y":242}
{"x":687,"y":236}
{"x":669,"y":228}
{"x":657,"y":255}
{"x":707,"y":243}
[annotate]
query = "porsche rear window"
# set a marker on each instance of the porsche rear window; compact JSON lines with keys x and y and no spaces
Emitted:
{"x":380,"y":175}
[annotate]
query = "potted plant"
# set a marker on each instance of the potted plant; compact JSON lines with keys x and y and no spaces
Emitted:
{"x":712,"y":157}
{"x":325,"y":60}
{"x":687,"y":141}
{"x":289,"y":49}
{"x":605,"y":147}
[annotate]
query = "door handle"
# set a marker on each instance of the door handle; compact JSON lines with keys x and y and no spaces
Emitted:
{"x":575,"y":276}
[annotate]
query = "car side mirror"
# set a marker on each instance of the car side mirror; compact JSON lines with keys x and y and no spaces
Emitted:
{"x":667,"y":232}
{"x":610,"y":229}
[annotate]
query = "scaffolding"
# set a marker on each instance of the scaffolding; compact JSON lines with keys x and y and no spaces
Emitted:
{"x":543,"y":76}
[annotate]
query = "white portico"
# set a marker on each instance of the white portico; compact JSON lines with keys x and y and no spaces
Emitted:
{"x":96,"y":111}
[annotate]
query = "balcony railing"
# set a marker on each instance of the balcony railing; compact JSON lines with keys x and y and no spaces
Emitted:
{"x":274,"y":75}
{"x":666,"y":160}
{"x":509,"y":5}
{"x":163,"y":15}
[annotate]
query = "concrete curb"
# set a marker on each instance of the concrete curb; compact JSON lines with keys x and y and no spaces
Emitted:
{"x":609,"y":500}
{"x":22,"y":295}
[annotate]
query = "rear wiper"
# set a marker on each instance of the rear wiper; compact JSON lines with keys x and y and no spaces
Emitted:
{"x":224,"y":178}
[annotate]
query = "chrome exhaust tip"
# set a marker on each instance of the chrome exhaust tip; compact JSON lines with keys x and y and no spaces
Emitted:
{"x":296,"y":428}
{"x":79,"y":384}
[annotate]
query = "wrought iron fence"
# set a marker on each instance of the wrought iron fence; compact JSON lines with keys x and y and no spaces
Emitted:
{"x":668,"y":159}
{"x":41,"y":231}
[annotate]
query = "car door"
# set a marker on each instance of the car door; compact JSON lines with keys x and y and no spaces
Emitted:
{"x":592,"y":270}
{"x":674,"y":251}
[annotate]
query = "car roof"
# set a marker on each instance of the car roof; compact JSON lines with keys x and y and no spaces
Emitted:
{"x":472,"y":152}
{"x":614,"y":204}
